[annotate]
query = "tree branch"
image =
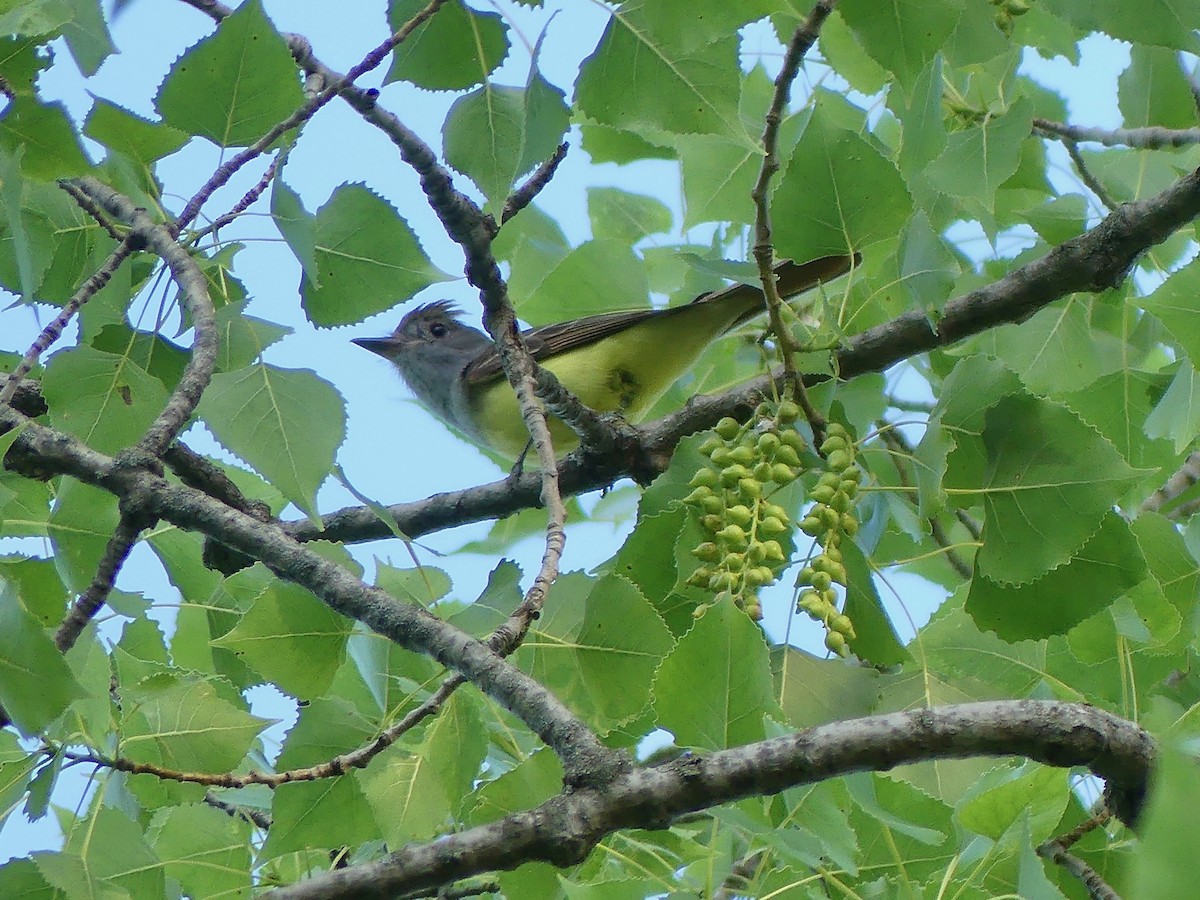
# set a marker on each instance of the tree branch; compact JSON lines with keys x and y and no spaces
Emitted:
{"x":44,"y":449}
{"x":764,"y":249}
{"x":193,"y":287}
{"x":564,"y":829}
{"x":1149,"y":138}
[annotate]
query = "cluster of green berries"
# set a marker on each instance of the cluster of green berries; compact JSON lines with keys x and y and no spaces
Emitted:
{"x":829,"y":520}
{"x":1007,"y":11}
{"x":731,"y":496}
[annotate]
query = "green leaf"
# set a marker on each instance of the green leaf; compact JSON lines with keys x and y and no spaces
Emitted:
{"x":1107,"y":565}
{"x":112,"y":851}
{"x":597,"y":645}
{"x":714,"y":689}
{"x":978,"y":160}
{"x":536,"y":778}
{"x":21,"y":59}
{"x":243,"y":337}
{"x":83,"y":520}
{"x":604,"y":144}
{"x":876,"y":640}
{"x":814,"y":691}
{"x":407,"y":796}
{"x":572,"y":289}
{"x":1057,"y":345}
{"x":846,"y":55}
{"x":1038,"y":793}
{"x":898,"y":824}
{"x":38,"y":587}
{"x":180,"y":722}
{"x":103,"y":399}
{"x":928,"y":267}
{"x":903,"y":36}
{"x":268,"y":417}
{"x":234,"y":85}
{"x":25,"y":238}
{"x":298,"y":227}
{"x":681,"y":91}
{"x":1169,"y":841}
{"x":205,"y":850}
{"x":1033,"y":460}
{"x":647,"y":558}
{"x":422,"y":586}
{"x":457,"y":746}
{"x":693,"y":24}
{"x":367,"y":257}
{"x":87,"y":35}
{"x":495,"y":134}
{"x":718,"y":174}
{"x":1176,"y":303}
{"x":1173,"y":569}
{"x":1177,"y":415}
{"x":291,"y":638}
{"x":41,"y":137}
{"x":21,"y":878}
{"x":327,"y":727}
{"x":625,"y":217}
{"x":457,"y":48}
{"x":119,"y":129}
{"x":329,"y":814}
{"x":1163,"y":23}
{"x":36,"y":684}
{"x":1118,"y":406}
{"x":838,"y":191}
{"x":1154,"y":92}
{"x":149,"y":352}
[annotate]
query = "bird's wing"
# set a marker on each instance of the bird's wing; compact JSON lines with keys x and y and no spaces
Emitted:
{"x":550,"y":340}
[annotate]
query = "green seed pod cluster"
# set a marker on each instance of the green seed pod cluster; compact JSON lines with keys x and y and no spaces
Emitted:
{"x":830,"y":519}
{"x":1007,"y":11}
{"x":731,"y":497}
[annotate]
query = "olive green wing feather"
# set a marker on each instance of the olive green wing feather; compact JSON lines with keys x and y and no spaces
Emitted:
{"x":550,"y":340}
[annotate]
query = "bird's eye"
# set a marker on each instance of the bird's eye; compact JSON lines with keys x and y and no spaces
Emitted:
{"x":438,"y":329}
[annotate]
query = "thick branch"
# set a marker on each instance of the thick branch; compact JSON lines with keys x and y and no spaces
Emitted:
{"x":563,"y":830}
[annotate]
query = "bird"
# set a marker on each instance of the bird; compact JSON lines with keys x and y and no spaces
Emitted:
{"x":620,"y":362}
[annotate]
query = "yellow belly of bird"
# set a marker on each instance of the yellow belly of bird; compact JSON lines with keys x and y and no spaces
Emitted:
{"x":624,"y":373}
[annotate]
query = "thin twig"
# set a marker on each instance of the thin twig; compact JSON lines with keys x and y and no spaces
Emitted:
{"x":1056,"y":850}
{"x":1185,"y":476}
{"x":1086,"y":176}
{"x":85,"y":607}
{"x":193,"y":288}
{"x":764,"y":249}
{"x":1148,"y":138}
{"x":255,"y":817}
{"x":245,"y":203}
{"x":305,"y":112}
{"x":523,"y":195}
{"x":53,"y":331}
{"x":85,"y":203}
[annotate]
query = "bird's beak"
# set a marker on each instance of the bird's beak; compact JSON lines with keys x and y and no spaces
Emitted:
{"x":386,"y":347}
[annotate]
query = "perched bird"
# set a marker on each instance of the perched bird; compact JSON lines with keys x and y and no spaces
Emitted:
{"x":613,"y":362}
